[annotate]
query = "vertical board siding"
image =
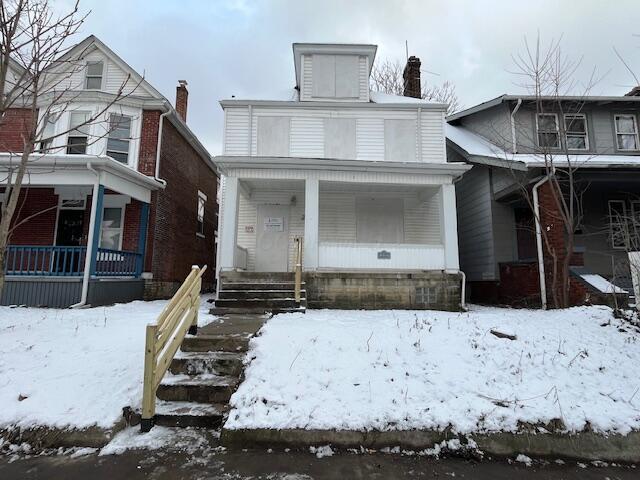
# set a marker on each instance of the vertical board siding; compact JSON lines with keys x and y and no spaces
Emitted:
{"x":40,"y":292}
{"x":307,"y":137}
{"x":236,"y":131}
{"x":248,"y":216}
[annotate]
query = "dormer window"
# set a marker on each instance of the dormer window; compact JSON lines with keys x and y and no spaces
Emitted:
{"x":335,"y":76}
{"x":94,"y":75}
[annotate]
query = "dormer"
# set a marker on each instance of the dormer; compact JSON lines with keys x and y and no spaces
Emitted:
{"x":333,"y":72}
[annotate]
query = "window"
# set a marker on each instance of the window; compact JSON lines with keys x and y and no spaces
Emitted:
{"x":111,"y":231}
{"x":400,"y":140}
{"x":202,"y":199}
{"x":575,"y":126}
{"x":340,"y":138}
{"x":48,"y":130}
{"x":79,"y":134}
{"x":94,"y":75}
{"x":626,"y":132}
{"x":119,"y":136}
{"x":273,"y":136}
{"x":617,"y":223}
{"x":426,"y":295}
{"x":335,"y":76}
{"x":548,"y":130}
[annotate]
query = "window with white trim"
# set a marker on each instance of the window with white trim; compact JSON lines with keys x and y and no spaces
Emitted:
{"x":78,"y":137}
{"x":48,"y":130}
{"x":626,"y":132}
{"x":617,"y":224}
{"x":548,"y":134}
{"x":575,"y":127}
{"x":112,"y":227}
{"x":202,"y":200}
{"x":93,"y":78}
{"x":119,"y":137}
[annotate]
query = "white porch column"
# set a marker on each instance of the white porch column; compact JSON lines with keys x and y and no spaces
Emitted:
{"x":228,"y":230}
{"x":449,"y":225}
{"x":311,"y":222}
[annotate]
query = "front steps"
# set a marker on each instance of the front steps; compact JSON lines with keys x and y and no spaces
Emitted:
{"x":258,"y":293}
{"x":206,"y":371}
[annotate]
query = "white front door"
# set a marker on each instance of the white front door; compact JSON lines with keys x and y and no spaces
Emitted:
{"x":272,"y":238}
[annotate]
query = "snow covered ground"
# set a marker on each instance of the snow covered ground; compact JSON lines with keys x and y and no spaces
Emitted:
{"x":389,"y":370}
{"x":61,"y":367}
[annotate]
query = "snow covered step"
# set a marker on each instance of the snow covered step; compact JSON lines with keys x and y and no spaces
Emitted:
{"x":256,"y":277}
{"x":270,"y":286}
{"x":200,"y":388}
{"x":254,"y":294}
{"x":215,"y":343}
{"x":267,"y":303}
{"x":219,"y":311}
{"x":219,"y":363}
{"x":189,"y":414}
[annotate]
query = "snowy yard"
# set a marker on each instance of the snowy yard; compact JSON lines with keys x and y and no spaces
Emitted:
{"x":388,"y":370}
{"x":61,"y":367}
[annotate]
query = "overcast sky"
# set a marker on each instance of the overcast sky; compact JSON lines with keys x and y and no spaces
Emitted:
{"x":242,"y":47}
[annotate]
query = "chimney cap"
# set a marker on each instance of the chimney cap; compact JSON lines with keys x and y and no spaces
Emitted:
{"x":182,"y":83}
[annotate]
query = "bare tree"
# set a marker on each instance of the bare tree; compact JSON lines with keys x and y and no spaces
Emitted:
{"x":386,"y":76}
{"x":35,"y":73}
{"x":548,"y":75}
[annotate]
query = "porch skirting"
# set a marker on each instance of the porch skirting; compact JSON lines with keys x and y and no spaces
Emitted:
{"x":435,"y":290}
{"x":62,"y":292}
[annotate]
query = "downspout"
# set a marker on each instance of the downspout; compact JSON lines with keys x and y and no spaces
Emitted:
{"x":160,"y":125}
{"x":536,"y":208}
{"x":87,"y":260}
{"x":463,"y":302}
{"x":514,"y":144}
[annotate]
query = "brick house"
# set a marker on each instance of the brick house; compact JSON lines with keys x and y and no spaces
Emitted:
{"x":154,"y":183}
{"x":507,"y":140}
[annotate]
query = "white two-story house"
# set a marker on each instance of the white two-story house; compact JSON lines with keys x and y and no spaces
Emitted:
{"x":360,"y":176}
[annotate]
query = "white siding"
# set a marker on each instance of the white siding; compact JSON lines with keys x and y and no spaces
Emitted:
{"x":308,"y":131}
{"x":365,"y":256}
{"x":248,"y":213}
{"x":337,"y":217}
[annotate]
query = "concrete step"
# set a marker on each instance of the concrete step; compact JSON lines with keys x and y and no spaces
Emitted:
{"x":259,"y":286}
{"x":218,"y":363}
{"x":221,"y":311}
{"x":236,"y":294}
{"x":199,"y":388}
{"x":189,"y":414}
{"x":215,"y":343}
{"x":267,"y":303}
{"x":256,"y":276}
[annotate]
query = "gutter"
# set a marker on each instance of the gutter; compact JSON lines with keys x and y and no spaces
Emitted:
{"x":536,"y":208}
{"x":514,"y":145}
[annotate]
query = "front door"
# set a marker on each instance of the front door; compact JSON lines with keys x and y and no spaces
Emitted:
{"x":69,"y":234}
{"x":272,"y":239}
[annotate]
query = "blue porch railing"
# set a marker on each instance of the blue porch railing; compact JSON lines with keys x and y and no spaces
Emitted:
{"x":47,"y":260}
{"x":118,"y":263}
{"x":58,"y":261}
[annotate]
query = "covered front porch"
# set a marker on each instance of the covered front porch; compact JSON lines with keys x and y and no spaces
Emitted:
{"x":78,"y":234}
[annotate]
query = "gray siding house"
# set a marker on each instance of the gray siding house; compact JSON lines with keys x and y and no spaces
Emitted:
{"x":504,"y":139}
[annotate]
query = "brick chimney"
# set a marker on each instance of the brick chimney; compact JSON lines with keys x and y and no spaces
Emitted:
{"x":635,"y":92}
{"x":182,"y":99}
{"x":411,"y":76}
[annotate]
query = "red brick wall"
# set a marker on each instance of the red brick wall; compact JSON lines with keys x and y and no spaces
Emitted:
{"x":39,"y":230}
{"x":148,"y":142}
{"x":13,"y":128}
{"x":175,"y":245}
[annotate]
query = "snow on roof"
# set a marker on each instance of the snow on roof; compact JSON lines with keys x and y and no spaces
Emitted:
{"x":286,"y":95}
{"x":601,"y":284}
{"x":381,"y":97}
{"x":478,"y":146}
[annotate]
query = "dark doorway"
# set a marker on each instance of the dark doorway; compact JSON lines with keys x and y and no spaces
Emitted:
{"x":69,"y":234}
{"x":525,"y":234}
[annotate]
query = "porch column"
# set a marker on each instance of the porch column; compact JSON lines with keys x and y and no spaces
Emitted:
{"x":228,"y":230}
{"x":142,"y":237}
{"x":95,"y":225}
{"x":311,"y":222}
{"x":449,"y":226}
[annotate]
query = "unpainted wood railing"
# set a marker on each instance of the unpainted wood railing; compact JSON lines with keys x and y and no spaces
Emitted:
{"x":164,"y":338}
{"x":298,"y":267}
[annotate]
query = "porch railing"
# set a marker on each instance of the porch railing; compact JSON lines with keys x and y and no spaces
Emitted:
{"x":298,"y":267}
{"x":164,"y":338}
{"x":45,"y":260}
{"x":118,"y":263}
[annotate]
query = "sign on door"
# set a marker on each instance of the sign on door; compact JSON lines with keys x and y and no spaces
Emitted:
{"x":273,"y":224}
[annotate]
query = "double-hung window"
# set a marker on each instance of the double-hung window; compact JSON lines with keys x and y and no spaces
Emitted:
{"x":111,"y":231}
{"x":119,"y":137}
{"x":202,"y":200}
{"x":626,"y":132}
{"x":575,"y":126}
{"x":93,"y":79}
{"x":548,"y":135}
{"x":48,"y":130}
{"x":79,"y":133}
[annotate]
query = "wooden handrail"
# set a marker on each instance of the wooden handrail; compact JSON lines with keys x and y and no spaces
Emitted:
{"x":298,"y":267}
{"x":163,"y":339}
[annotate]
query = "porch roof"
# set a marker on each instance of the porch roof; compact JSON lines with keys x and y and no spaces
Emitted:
{"x":44,"y":170}
{"x":227,"y":162}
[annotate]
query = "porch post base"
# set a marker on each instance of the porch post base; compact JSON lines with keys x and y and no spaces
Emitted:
{"x":146,"y":424}
{"x":193,"y":330}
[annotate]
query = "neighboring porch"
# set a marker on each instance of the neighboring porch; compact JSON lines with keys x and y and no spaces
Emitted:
{"x":74,"y":241}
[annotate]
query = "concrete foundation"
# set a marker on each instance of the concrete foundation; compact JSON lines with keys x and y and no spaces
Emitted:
{"x":376,"y":290}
